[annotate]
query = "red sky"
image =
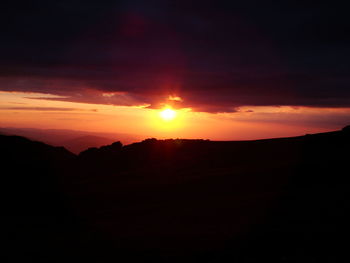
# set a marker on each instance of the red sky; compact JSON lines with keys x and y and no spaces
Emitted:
{"x":233,"y":69}
{"x":19,"y":109}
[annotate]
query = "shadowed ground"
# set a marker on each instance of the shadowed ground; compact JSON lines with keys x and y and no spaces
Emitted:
{"x":281,"y":200}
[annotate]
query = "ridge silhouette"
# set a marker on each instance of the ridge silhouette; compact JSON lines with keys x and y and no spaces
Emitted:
{"x":179,"y":200}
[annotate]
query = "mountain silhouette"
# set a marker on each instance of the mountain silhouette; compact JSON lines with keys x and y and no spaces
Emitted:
{"x":79,"y":144}
{"x":72,"y":140}
{"x":177,"y":200}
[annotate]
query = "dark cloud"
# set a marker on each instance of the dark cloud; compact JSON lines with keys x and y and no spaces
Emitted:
{"x":215,"y":55}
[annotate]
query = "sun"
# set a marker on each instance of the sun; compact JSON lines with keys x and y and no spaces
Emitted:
{"x":168,"y":114}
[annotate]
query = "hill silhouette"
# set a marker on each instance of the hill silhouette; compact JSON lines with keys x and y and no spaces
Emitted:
{"x":79,"y":144}
{"x":74,"y":141}
{"x":276,"y":200}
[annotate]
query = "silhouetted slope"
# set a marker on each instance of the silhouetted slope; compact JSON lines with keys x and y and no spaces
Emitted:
{"x":310,"y":220}
{"x":79,"y":144}
{"x":73,"y":140}
{"x":31,"y":167}
{"x":38,"y":223}
{"x":277,"y":200}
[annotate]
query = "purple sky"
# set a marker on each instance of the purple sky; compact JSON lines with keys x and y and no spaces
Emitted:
{"x":216,"y":55}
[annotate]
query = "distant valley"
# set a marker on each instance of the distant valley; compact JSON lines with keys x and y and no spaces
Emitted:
{"x":72,"y":140}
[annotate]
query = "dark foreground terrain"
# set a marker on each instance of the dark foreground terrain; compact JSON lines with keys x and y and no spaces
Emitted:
{"x":278,"y":200}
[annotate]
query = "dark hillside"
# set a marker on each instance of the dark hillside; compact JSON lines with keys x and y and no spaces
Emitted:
{"x":38,"y":223}
{"x":276,"y":200}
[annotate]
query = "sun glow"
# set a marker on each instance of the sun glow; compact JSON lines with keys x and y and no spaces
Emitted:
{"x":168,"y":114}
{"x":168,"y":122}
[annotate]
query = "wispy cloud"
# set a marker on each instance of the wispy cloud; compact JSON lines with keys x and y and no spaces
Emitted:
{"x":44,"y":109}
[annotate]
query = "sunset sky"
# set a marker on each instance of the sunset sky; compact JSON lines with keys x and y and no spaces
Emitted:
{"x":229,"y":71}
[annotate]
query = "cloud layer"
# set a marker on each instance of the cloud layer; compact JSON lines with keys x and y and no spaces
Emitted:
{"x":215,"y":57}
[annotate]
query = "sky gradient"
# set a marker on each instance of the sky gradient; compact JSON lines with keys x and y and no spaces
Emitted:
{"x":241,"y":70}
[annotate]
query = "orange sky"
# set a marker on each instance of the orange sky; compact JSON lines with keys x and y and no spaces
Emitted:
{"x":19,"y":109}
